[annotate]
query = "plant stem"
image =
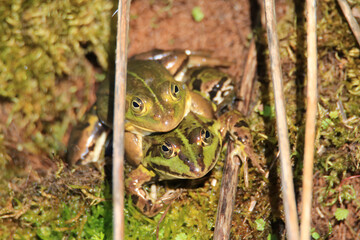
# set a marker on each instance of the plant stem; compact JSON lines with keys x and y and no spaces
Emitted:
{"x":119,"y":119}
{"x":291,"y":217}
{"x":310,"y":120}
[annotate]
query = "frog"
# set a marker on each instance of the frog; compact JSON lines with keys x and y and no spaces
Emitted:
{"x":202,"y":75}
{"x":189,"y":151}
{"x":155,"y":102}
{"x":218,"y":87}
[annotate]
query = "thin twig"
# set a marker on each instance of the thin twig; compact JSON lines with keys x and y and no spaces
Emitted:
{"x":161,"y":219}
{"x":119,"y":119}
{"x":350,"y":18}
{"x":310,"y":120}
{"x":227,"y":196}
{"x":291,"y":217}
{"x":247,"y":80}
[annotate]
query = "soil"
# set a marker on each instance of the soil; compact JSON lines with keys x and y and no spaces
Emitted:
{"x":169,"y":24}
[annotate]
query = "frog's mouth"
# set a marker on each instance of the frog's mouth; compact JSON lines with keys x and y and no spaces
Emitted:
{"x":147,"y":131}
{"x":195,"y":171}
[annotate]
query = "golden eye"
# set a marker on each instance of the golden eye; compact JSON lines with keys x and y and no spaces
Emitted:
{"x":206,"y":137}
{"x":167,"y":150}
{"x":175,"y":91}
{"x":137,"y":105}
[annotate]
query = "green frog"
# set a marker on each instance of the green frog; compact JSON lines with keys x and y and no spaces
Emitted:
{"x":189,"y":151}
{"x":216,"y":86}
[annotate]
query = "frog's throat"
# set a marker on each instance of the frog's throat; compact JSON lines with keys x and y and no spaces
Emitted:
{"x":137,"y":130}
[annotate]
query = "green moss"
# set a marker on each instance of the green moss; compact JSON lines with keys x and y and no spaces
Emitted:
{"x":43,"y":44}
{"x":192,"y":217}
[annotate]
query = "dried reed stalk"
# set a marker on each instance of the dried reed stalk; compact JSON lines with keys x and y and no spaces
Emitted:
{"x":228,"y":188}
{"x":291,"y":216}
{"x":310,"y":120}
{"x":119,"y":118}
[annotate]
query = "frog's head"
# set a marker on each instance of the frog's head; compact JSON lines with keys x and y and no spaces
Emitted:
{"x":155,"y":102}
{"x":188,"y":152}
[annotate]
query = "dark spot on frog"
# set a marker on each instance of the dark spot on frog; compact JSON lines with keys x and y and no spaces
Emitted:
{"x":217,"y":87}
{"x":196,"y":73}
{"x":241,"y":123}
{"x":187,"y":161}
{"x":135,"y":199}
{"x":91,"y":148}
{"x":147,"y":206}
{"x":197,"y":84}
{"x":241,"y":137}
{"x":200,"y":160}
{"x":183,"y":64}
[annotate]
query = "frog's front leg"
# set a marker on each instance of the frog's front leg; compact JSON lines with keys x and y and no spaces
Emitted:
{"x":141,"y":198}
{"x":201,"y":106}
{"x":87,"y":141}
{"x":238,"y":131}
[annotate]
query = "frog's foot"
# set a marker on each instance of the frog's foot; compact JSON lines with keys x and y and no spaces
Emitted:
{"x":170,"y":196}
{"x":147,"y":202}
{"x":178,"y":61}
{"x":238,"y":131}
{"x":150,"y":207}
{"x":245,"y":152}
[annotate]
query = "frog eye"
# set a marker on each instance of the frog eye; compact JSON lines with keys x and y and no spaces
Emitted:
{"x":137,"y":105}
{"x":206,"y":137}
{"x":167,"y":150}
{"x":175,"y":91}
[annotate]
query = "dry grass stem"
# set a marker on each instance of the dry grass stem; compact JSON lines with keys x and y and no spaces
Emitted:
{"x":291,"y":217}
{"x":310,"y":120}
{"x":227,"y":196}
{"x":350,"y":18}
{"x":119,"y":118}
{"x":247,"y":81}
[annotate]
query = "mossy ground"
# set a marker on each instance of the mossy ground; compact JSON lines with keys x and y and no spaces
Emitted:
{"x":52,"y":56}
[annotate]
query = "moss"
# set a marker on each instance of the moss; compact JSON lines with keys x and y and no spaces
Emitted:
{"x":42,"y":45}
